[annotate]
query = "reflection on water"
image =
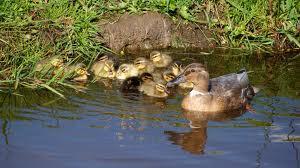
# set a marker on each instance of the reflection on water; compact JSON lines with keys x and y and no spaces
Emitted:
{"x":99,"y":125}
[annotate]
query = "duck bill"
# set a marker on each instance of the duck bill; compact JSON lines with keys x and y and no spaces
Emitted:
{"x":179,"y":79}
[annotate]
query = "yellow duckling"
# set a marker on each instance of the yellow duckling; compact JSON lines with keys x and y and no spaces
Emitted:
{"x":224,"y":93}
{"x":104,"y":69}
{"x":177,"y":69}
{"x":143,"y":65}
{"x":160,"y":60}
{"x":77,"y":72}
{"x":50,"y":64}
{"x":105,"y":66}
{"x":126,"y":71}
{"x":151,"y":88}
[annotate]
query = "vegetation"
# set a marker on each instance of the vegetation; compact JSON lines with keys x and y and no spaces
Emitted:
{"x":31,"y":30}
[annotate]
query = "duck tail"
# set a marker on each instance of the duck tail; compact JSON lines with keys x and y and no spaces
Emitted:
{"x":243,"y":77}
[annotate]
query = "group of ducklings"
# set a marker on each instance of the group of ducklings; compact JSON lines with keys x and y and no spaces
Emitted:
{"x":148,"y":76}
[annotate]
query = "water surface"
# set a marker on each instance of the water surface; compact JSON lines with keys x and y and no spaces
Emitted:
{"x":102,"y":127}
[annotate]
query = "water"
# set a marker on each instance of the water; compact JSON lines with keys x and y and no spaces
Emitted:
{"x":101,"y":127}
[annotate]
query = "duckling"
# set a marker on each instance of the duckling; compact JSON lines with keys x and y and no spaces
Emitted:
{"x":224,"y":93}
{"x":160,"y":60}
{"x":151,"y":88}
{"x":126,"y":71}
{"x":104,"y":69}
{"x":177,"y":68}
{"x":143,"y":65}
{"x":105,"y":66}
{"x":52,"y":63}
{"x":77,"y":72}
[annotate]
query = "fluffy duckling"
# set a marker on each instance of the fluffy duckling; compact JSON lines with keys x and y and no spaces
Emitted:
{"x":105,"y":66}
{"x":126,"y":71}
{"x":104,"y":69}
{"x":77,"y":72}
{"x":224,"y":93}
{"x":160,"y":60}
{"x":53,"y":63}
{"x":177,"y":68}
{"x":143,"y":65}
{"x":151,"y":88}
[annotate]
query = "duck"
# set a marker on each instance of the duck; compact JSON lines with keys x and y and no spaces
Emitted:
{"x":77,"y":72}
{"x":169,"y":75}
{"x":150,"y":88}
{"x":143,"y":65}
{"x":227,"y":92}
{"x":52,"y":64}
{"x":105,"y":66}
{"x":160,"y":60}
{"x":126,"y":70}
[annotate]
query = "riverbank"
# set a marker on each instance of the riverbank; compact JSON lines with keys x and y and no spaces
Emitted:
{"x":33,"y":30}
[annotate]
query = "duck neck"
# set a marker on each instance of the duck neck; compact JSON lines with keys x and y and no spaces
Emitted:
{"x":201,"y":84}
{"x":201,"y":87}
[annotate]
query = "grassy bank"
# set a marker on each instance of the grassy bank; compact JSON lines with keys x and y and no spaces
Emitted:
{"x":31,"y":30}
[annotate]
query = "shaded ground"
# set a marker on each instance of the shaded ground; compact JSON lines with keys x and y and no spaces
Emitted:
{"x":152,"y":30}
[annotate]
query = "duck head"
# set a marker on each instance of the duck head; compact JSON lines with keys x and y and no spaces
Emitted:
{"x":126,"y":71}
{"x":176,"y":68}
{"x":194,"y":73}
{"x":168,"y":76}
{"x":57,"y":62}
{"x":140,"y":63}
{"x":155,"y":56}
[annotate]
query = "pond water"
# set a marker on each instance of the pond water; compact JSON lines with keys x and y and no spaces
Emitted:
{"x":101,"y":127}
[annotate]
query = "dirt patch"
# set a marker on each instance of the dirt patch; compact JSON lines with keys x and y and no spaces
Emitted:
{"x":152,"y":30}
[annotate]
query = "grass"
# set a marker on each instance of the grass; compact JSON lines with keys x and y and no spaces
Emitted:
{"x":31,"y":30}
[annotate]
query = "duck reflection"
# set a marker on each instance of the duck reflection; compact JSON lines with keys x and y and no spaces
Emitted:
{"x":194,"y":140}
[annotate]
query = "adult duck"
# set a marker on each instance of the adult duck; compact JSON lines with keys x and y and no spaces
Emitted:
{"x":223,"y":93}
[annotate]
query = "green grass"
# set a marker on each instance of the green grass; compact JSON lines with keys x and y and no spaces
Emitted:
{"x":31,"y":30}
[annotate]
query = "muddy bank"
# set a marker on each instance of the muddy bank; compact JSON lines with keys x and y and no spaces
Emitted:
{"x":152,"y":30}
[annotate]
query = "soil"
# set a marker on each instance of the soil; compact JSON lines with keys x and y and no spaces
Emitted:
{"x":152,"y":30}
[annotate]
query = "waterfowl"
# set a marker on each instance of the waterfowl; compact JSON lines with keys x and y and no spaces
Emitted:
{"x":143,"y":65}
{"x":126,"y":71}
{"x":224,"y":93}
{"x":169,"y":75}
{"x":104,"y":70}
{"x":151,"y":88}
{"x":77,"y":72}
{"x":105,"y":66}
{"x":160,"y":60}
{"x":53,"y":63}
{"x":177,"y":68}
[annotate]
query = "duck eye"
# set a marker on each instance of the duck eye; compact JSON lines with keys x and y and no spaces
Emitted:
{"x":193,"y":70}
{"x":123,"y":69}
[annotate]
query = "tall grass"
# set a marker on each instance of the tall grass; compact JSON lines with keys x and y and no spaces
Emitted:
{"x":31,"y":30}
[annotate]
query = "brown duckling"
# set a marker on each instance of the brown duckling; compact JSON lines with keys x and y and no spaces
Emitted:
{"x":151,"y":88}
{"x":126,"y":71}
{"x":143,"y":65}
{"x":160,"y":60}
{"x":224,"y":93}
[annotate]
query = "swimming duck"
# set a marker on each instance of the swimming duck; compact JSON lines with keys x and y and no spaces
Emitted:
{"x":151,"y":88}
{"x":104,"y":69}
{"x":105,"y":66}
{"x":126,"y":71}
{"x":77,"y":72}
{"x":169,"y":75}
{"x":226,"y":92}
{"x":53,"y":63}
{"x":143,"y":65}
{"x":160,"y":60}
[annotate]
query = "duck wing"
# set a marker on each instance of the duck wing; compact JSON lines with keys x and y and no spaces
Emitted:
{"x":230,"y":81}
